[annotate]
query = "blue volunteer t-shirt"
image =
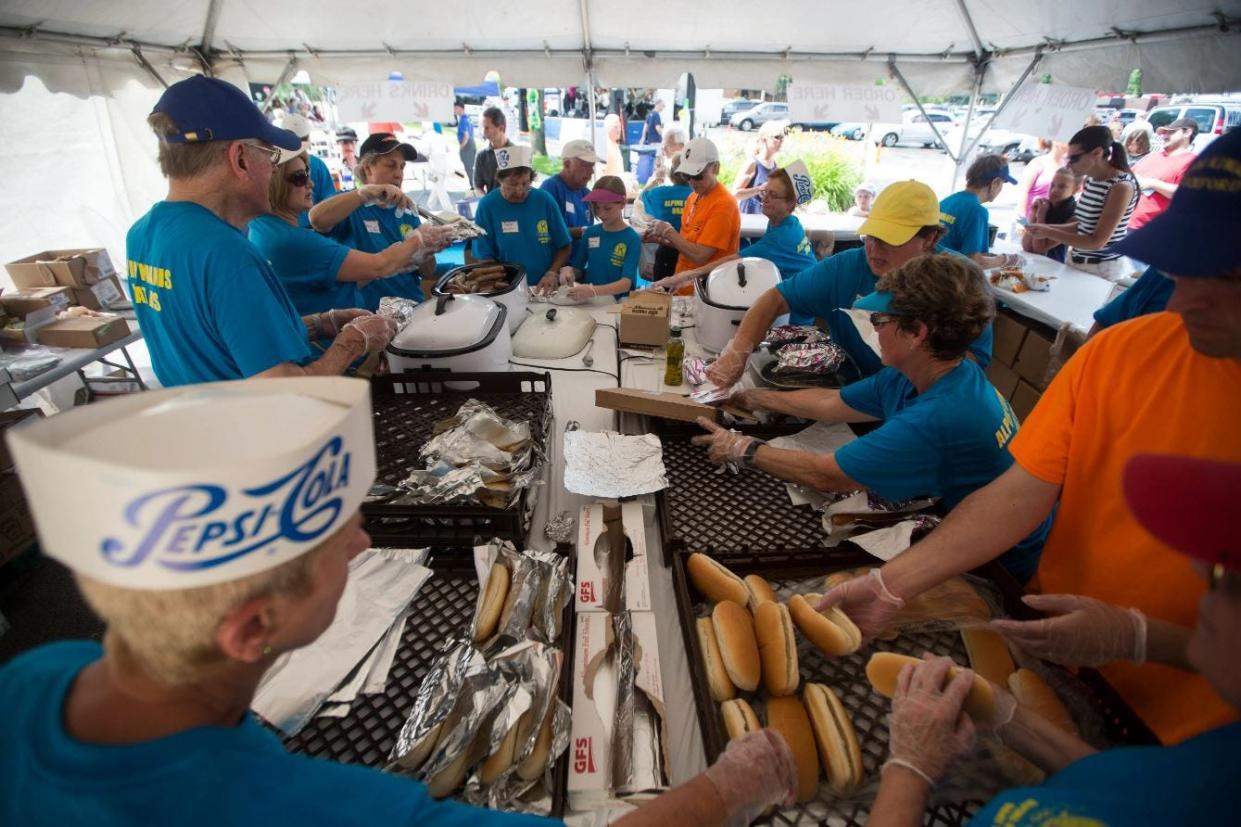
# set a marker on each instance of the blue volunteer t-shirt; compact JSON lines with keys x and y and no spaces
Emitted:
{"x":650,"y":132}
{"x":947,"y":442}
{"x":1194,"y":782}
{"x":464,"y":128}
{"x":208,"y":775}
{"x":786,"y":246}
{"x":830,"y":287}
{"x":966,"y":219}
{"x":608,"y":256}
{"x":667,"y":203}
{"x":528,"y":233}
{"x":306,"y":264}
{"x":324,"y":187}
{"x":1149,"y":294}
{"x":373,"y":229}
{"x":209,"y":306}
{"x":573,"y":209}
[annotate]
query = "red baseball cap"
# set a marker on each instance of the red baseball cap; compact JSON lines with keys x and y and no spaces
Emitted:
{"x":1187,"y":503}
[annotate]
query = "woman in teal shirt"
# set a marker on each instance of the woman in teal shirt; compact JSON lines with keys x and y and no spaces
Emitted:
{"x":317,"y":272}
{"x":377,"y":215}
{"x":606,"y":262}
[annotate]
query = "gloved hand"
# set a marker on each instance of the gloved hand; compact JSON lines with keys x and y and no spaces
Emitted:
{"x":374,"y":332}
{"x":668,"y":283}
{"x":728,"y":368}
{"x":1082,"y":632}
{"x":434,"y":238}
{"x":658,"y":231}
{"x":1013,"y":260}
{"x":548,"y":284}
{"x":746,"y":400}
{"x":755,"y":771}
{"x":867,"y":602}
{"x":385,"y":195}
{"x":723,"y":445}
{"x":928,"y":728}
{"x":329,"y":322}
{"x":581,"y":292}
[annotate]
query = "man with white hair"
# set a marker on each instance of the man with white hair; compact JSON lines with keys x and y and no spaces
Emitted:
{"x":568,"y":187}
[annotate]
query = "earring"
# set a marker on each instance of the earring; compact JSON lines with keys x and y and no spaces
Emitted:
{"x":266,"y":650}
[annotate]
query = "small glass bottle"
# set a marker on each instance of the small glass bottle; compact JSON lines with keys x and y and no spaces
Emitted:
{"x":674,"y":352}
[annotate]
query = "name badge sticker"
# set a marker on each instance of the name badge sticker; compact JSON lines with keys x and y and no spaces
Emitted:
{"x":508,"y":226}
{"x":570,"y":208}
{"x":372,"y":226}
{"x":593,"y":242}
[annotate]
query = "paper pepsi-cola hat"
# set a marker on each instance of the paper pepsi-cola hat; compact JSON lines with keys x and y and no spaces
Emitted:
{"x":201,"y":484}
{"x":803,"y":185}
{"x":513,"y":157}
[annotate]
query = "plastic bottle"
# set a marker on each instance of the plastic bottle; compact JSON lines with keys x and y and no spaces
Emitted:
{"x":674,"y":352}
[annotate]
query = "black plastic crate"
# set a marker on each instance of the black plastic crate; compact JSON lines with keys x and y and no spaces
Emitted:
{"x":445,"y":609}
{"x":847,"y":676}
{"x":406,"y":407}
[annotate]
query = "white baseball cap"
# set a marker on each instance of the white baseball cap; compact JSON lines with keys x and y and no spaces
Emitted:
{"x":803,"y":184}
{"x":580,"y":149}
{"x":513,"y":157}
{"x":200,"y":484}
{"x":696,"y":155}
{"x":296,"y":124}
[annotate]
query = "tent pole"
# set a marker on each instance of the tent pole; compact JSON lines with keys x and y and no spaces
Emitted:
{"x":588,"y":59}
{"x":979,"y":50}
{"x":590,"y":91}
{"x":1008,"y":96}
{"x":979,"y":71}
{"x":909,"y":90}
{"x":284,"y":75}
{"x":146,"y":64}
{"x":213,"y":17}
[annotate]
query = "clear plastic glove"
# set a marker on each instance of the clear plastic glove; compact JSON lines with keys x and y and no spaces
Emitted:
{"x":581,"y":292}
{"x":867,"y":602}
{"x":755,"y":772}
{"x":548,"y":284}
{"x":928,"y":727}
{"x":374,"y":332}
{"x":723,"y":445}
{"x":1082,"y":632}
{"x":329,"y":322}
{"x":658,"y":231}
{"x":729,"y":367}
{"x":668,"y":284}
{"x":746,"y":400}
{"x":385,"y":195}
{"x":433,"y":239}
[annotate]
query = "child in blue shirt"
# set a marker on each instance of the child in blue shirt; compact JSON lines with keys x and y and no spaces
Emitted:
{"x":606,"y":263}
{"x":965,"y":217}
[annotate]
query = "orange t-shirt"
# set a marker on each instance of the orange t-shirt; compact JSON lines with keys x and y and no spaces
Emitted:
{"x":1136,"y":388}
{"x":714,"y":220}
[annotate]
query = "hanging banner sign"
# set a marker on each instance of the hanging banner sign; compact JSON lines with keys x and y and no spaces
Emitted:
{"x":395,"y":100}
{"x":1047,"y":110}
{"x":867,"y":104}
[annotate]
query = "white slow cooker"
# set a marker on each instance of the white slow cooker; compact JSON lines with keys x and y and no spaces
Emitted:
{"x":556,"y":333}
{"x":461,"y":333}
{"x":515,"y":296}
{"x":724,"y":296}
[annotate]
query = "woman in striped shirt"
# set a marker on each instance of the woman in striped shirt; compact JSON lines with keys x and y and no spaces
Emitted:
{"x":1103,"y":208}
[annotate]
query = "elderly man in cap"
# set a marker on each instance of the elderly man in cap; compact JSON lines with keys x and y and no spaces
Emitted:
{"x":216,"y":541}
{"x":1168,"y":383}
{"x":711,"y":224}
{"x":903,"y":224}
{"x":1160,"y":172}
{"x":320,"y":175}
{"x":524,"y":226}
{"x":568,"y":187}
{"x":347,"y":142}
{"x":209,"y":305}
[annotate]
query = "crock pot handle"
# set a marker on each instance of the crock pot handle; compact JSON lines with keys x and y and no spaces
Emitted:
{"x":440,"y":301}
{"x":741,"y":273}
{"x":551,"y":315}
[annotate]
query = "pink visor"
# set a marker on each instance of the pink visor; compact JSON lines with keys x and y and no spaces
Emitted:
{"x":1187,"y":503}
{"x":603,"y":196}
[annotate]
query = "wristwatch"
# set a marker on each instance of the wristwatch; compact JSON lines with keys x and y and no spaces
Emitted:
{"x":747,"y":459}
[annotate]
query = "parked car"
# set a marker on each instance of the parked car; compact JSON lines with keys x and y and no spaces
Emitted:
{"x":759,"y":115}
{"x":1017,"y":147}
{"x":1214,"y":119}
{"x":824,"y":126}
{"x":733,"y":107}
{"x":850,"y":130}
{"x":915,"y":129}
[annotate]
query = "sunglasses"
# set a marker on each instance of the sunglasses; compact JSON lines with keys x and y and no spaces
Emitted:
{"x":697,"y":177}
{"x":878,"y":320}
{"x":298,"y":179}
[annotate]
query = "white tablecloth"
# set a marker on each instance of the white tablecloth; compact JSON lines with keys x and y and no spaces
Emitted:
{"x":1074,"y":295}
{"x":844,"y":226}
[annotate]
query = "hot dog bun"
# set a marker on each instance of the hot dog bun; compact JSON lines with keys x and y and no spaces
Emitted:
{"x":536,"y":762}
{"x":989,"y":655}
{"x":415,"y":758}
{"x":739,"y":718}
{"x":715,"y":581}
{"x":1032,"y":692}
{"x":721,"y":686}
{"x":502,"y":758}
{"x":760,"y":591}
{"x":734,"y":630}
{"x":788,"y":717}
{"x":831,"y":630}
{"x":449,"y":778}
{"x":883,"y":668}
{"x":835,"y":736}
{"x":493,"y":603}
{"x":777,"y":647}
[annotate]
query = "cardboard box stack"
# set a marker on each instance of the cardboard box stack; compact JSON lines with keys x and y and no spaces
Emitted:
{"x":1020,"y":357}
{"x":16,"y":525}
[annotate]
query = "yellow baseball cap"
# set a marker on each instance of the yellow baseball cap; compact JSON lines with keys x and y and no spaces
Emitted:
{"x":900,"y":211}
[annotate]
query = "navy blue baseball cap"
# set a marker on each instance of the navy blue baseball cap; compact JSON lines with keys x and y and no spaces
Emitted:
{"x":1196,"y":234}
{"x":209,"y":109}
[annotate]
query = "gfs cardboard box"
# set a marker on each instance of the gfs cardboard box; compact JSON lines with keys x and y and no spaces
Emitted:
{"x":605,"y":530}
{"x":66,"y":268}
{"x":646,"y":319}
{"x":88,"y":332}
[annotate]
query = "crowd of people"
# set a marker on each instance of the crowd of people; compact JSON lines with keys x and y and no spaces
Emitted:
{"x":257,"y":266}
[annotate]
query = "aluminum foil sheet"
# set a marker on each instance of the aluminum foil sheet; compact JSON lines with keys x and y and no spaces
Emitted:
{"x":818,"y":358}
{"x":525,"y":585}
{"x":612,"y":465}
{"x":626,"y":688}
{"x":789,"y":334}
{"x":28,"y":364}
{"x":555,"y":595}
{"x":561,"y":528}
{"x":398,"y":310}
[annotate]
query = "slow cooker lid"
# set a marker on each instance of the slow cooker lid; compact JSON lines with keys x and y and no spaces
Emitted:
{"x":450,"y":323}
{"x":740,"y":282}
